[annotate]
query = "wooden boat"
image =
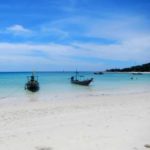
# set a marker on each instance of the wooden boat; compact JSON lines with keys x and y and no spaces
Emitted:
{"x":137,"y":73}
{"x":98,"y":73}
{"x":81,"y":82}
{"x":32,"y":84}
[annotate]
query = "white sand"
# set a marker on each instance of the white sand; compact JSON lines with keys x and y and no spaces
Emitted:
{"x":87,"y":123}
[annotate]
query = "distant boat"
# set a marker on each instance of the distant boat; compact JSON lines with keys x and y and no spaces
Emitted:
{"x":32,"y":84}
{"x":137,"y":73}
{"x":75,"y":80}
{"x":98,"y":73}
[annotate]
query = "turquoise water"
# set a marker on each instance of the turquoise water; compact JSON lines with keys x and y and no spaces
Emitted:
{"x":12,"y":84}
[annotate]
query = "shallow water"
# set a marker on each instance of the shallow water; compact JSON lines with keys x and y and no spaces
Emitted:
{"x":58,"y":84}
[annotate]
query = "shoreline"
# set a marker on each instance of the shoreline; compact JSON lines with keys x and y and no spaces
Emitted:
{"x":57,"y":96}
{"x":128,"y":72}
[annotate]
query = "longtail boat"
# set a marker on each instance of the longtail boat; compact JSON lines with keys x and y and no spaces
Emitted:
{"x":75,"y":80}
{"x":32,"y":84}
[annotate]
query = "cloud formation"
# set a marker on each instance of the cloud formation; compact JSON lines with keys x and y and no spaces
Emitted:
{"x":86,"y":34}
{"x":18,"y":30}
{"x":76,"y":55}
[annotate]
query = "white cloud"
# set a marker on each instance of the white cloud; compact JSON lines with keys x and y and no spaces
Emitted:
{"x":77,"y":55}
{"x":39,"y":56}
{"x":137,"y":49}
{"x":130,"y":33}
{"x":18,"y":30}
{"x":118,"y":27}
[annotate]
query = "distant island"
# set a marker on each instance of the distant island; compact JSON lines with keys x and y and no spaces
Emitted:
{"x":138,"y":68}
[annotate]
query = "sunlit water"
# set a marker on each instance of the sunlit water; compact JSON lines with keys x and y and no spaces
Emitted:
{"x":53,"y":84}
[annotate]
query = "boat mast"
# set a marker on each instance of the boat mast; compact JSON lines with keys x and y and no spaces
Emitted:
{"x":32,"y":76}
{"x":76,"y":74}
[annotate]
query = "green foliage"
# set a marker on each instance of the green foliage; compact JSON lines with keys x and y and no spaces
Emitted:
{"x":139,"y":68}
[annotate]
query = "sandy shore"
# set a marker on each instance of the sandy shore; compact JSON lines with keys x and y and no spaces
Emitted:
{"x":116,"y":122}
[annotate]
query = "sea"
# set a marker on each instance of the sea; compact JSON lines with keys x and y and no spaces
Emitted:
{"x":55,"y":85}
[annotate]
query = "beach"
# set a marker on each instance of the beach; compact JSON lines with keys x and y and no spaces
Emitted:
{"x":75,"y":75}
{"x":79,"y":122}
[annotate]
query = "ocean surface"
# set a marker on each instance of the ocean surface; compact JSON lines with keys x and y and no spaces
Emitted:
{"x":57,"y":84}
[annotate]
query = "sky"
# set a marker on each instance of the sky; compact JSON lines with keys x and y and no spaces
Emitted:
{"x":88,"y":35}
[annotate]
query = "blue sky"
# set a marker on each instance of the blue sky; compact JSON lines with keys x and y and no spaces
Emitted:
{"x":50,"y":35}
